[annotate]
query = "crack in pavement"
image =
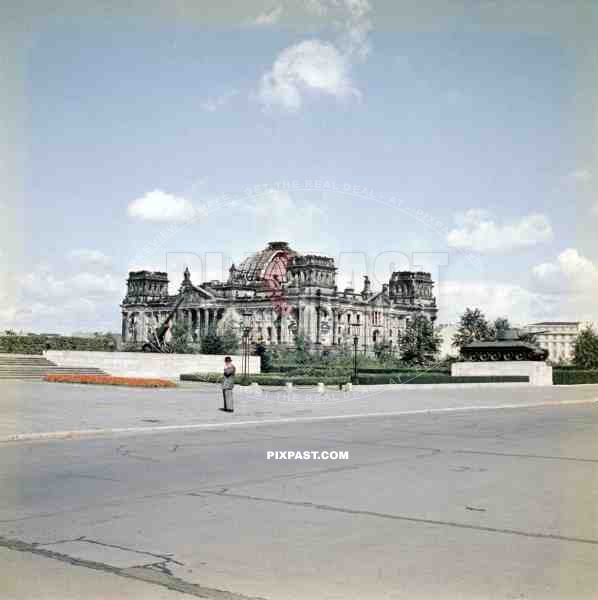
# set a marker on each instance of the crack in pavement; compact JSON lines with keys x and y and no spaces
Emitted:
{"x":186,"y":491}
{"x":394,"y":517}
{"x":515,"y":455}
{"x":122,"y":450}
{"x":164,"y":557}
{"x":145,"y":573}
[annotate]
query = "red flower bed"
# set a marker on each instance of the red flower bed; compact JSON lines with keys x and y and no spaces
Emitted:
{"x":109,"y":380}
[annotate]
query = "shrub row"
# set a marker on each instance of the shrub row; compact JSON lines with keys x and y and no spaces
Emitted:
{"x":36,"y":344}
{"x":429,"y":378}
{"x":366,"y":379}
{"x":268,"y":379}
{"x":109,"y":380}
{"x":562,"y":376}
{"x":382,"y":370}
{"x":348,"y":369}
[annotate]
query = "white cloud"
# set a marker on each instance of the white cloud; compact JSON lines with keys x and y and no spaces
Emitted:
{"x":278,"y":216}
{"x":581,"y":175}
{"x":309,"y":66}
{"x":269,"y":17}
{"x":159,"y":206}
{"x":317,"y":7}
{"x":351,"y":18}
{"x":59,"y":299}
{"x":356,"y":28}
{"x":564,"y":289}
{"x":44,"y":284}
{"x":570,"y":273}
{"x":316,"y":66}
{"x":94,"y":285}
{"x":213,"y":104}
{"x":91,"y":257}
{"x":494,"y":298}
{"x":479,"y":232}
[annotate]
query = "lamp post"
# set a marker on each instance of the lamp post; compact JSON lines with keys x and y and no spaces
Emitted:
{"x":355,"y":327}
{"x":245,"y":331}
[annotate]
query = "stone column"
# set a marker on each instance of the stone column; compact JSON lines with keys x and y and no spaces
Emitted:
{"x":333,"y":322}
{"x":141,"y":327}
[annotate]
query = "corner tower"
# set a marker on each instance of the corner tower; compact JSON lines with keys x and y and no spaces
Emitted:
{"x":146,"y":286}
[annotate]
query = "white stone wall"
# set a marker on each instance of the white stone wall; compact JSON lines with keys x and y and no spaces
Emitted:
{"x":143,"y":364}
{"x":539,"y":372}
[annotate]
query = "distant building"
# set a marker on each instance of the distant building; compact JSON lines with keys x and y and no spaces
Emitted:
{"x":558,"y":337}
{"x":281,"y":294}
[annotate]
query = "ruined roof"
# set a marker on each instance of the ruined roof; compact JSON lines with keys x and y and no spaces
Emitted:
{"x":254,"y":267}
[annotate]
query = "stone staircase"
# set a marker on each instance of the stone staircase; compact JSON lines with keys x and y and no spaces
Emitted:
{"x":35,"y":367}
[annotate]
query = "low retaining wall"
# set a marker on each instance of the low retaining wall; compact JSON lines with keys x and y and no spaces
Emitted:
{"x":539,"y":372}
{"x":144,"y":364}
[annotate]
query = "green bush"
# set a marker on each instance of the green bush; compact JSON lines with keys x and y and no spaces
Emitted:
{"x":266,"y":379}
{"x":422,"y":378}
{"x":381,"y":370}
{"x":572,"y":376}
{"x":585,"y":352}
{"x":36,"y":344}
{"x":365,"y":379}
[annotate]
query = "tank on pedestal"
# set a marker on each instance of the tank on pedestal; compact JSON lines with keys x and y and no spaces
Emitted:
{"x":510,"y":344}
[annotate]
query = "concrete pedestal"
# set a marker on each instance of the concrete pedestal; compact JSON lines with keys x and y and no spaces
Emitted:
{"x":539,"y":372}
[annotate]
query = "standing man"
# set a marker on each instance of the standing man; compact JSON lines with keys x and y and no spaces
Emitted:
{"x":228,"y":383}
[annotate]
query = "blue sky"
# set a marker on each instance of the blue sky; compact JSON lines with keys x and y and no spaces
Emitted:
{"x":130,"y":121}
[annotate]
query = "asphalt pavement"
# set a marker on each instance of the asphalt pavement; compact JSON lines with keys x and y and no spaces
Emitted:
{"x":459,"y":503}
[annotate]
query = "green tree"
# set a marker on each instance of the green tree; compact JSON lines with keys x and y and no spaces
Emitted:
{"x":225,"y":342}
{"x":472,"y":326}
{"x":419,"y":343}
{"x":211,"y":343}
{"x":230,"y":339}
{"x":265,"y":357}
{"x":301,"y":354}
{"x":585,"y":352}
{"x":501,"y":324}
{"x":383,"y":351}
{"x":180,"y":339}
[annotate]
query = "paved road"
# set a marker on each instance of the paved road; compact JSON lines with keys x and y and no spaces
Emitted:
{"x":32,"y":408}
{"x":468,"y":504}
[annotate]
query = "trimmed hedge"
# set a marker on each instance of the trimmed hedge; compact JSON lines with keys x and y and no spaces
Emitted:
{"x":382,"y":370}
{"x":430,"y":377}
{"x":568,"y":376}
{"x":348,"y":369}
{"x":368,"y":379}
{"x":36,"y":344}
{"x":267,"y":379}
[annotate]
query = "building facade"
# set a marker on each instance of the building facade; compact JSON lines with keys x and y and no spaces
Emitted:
{"x":279,"y":294}
{"x":558,"y":337}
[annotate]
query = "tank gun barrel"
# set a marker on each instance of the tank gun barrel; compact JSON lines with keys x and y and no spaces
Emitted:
{"x":161,"y":331}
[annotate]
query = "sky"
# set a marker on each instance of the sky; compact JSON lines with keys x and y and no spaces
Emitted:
{"x":457,"y":138}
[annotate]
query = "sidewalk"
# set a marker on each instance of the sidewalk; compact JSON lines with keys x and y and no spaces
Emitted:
{"x":30,"y":410}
